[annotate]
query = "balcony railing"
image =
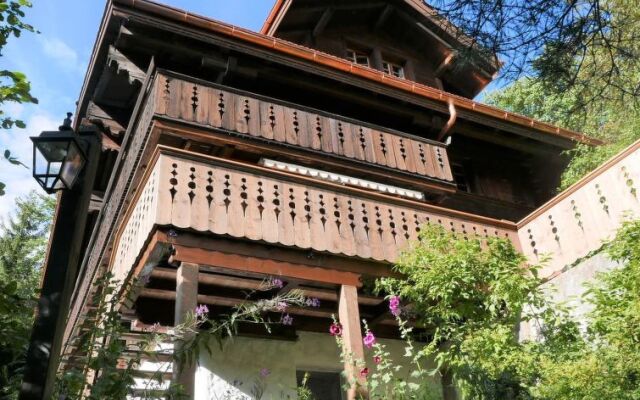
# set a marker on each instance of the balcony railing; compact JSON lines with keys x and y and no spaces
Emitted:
{"x":207,"y":104}
{"x":222,"y":197}
{"x":579,"y":220}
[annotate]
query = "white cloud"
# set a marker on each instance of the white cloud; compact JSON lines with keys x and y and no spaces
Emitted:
{"x":17,"y":178}
{"x":61,"y":53}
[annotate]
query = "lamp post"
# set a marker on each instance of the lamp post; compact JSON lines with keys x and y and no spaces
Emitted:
{"x":64,"y":162}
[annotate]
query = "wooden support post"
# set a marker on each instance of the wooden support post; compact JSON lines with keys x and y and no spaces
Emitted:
{"x":186,"y":302}
{"x":349,"y":316}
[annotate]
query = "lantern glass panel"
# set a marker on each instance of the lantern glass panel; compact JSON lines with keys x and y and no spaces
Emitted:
{"x":53,"y":150}
{"x":72,"y":165}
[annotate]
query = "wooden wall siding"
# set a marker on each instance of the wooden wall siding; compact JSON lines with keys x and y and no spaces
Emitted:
{"x":139,"y":225}
{"x":206,"y":197}
{"x":578,"y":220}
{"x":208,"y":105}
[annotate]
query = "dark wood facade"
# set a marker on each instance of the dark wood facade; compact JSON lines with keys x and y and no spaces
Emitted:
{"x":190,"y":108}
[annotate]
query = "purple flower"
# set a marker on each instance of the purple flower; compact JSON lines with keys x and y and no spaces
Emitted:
{"x":145,"y":279}
{"x":276,"y":283}
{"x":369,"y":340}
{"x":282,"y":306}
{"x":313,"y":302}
{"x":335,"y":329}
{"x":202,"y":310}
{"x":287,"y":320}
{"x":172,"y":234}
{"x":264,"y":372}
{"x":394,"y":305}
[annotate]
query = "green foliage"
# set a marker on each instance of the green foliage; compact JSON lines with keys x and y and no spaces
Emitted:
{"x":23,"y":241}
{"x":303,"y":392}
{"x":616,"y":123}
{"x":14,"y":86}
{"x":96,"y":367}
{"x":473,"y":294}
{"x":609,"y":366}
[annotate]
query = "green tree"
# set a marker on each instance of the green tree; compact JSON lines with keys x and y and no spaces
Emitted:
{"x":472,"y":295}
{"x":588,"y":46}
{"x":23,"y":241}
{"x":14,"y":86}
{"x":616,"y":123}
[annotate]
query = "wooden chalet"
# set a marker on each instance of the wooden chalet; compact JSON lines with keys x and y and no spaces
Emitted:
{"x":311,"y":152}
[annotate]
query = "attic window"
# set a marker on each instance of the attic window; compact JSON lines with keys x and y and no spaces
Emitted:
{"x":393,"y":69}
{"x":358,"y":57}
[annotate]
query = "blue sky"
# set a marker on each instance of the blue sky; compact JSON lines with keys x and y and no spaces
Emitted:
{"x":56,"y":60}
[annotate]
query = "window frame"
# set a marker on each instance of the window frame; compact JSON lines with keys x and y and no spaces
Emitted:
{"x":343,"y":395}
{"x":353,"y":55}
{"x":388,"y":68}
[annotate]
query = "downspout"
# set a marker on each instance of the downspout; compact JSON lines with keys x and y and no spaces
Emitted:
{"x":453,"y":116}
{"x":453,"y":113}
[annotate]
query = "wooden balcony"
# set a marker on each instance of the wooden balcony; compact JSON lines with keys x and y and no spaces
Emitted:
{"x":206,"y":104}
{"x":217,"y":196}
{"x":578,"y":221}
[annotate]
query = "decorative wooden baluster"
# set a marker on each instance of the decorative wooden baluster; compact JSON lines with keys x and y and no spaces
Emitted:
{"x":602,"y":199}
{"x":532,"y":242}
{"x":629,"y":182}
{"x":554,"y":229}
{"x":194,"y":102}
{"x":209,"y":188}
{"x":576,"y":214}
{"x":173,"y":181}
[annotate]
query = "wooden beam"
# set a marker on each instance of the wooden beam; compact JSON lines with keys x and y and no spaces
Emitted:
{"x":186,"y":295}
{"x":277,"y":253}
{"x":349,"y":316}
{"x":244,"y":283}
{"x":323,"y":22}
{"x":268,"y":267}
{"x":384,"y":16}
{"x":231,"y":302}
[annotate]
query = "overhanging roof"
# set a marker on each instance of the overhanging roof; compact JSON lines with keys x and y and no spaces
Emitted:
{"x":446,"y":31}
{"x":283,"y":47}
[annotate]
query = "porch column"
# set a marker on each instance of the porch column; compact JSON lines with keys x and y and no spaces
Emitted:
{"x":186,"y":302}
{"x":349,"y":317}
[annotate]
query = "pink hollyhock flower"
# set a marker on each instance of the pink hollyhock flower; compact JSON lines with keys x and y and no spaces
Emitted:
{"x":369,"y":340}
{"x":202,"y":310}
{"x":364,"y":372}
{"x":377,"y":359}
{"x":394,"y":305}
{"x":335,"y":329}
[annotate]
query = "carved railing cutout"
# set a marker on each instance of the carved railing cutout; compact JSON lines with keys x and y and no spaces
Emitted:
{"x":224,"y":198}
{"x":580,"y":219}
{"x":210,"y":105}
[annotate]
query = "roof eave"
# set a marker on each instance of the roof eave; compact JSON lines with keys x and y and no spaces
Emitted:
{"x":326,"y":60}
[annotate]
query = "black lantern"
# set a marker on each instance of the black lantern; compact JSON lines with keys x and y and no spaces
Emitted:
{"x":58,"y":158}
